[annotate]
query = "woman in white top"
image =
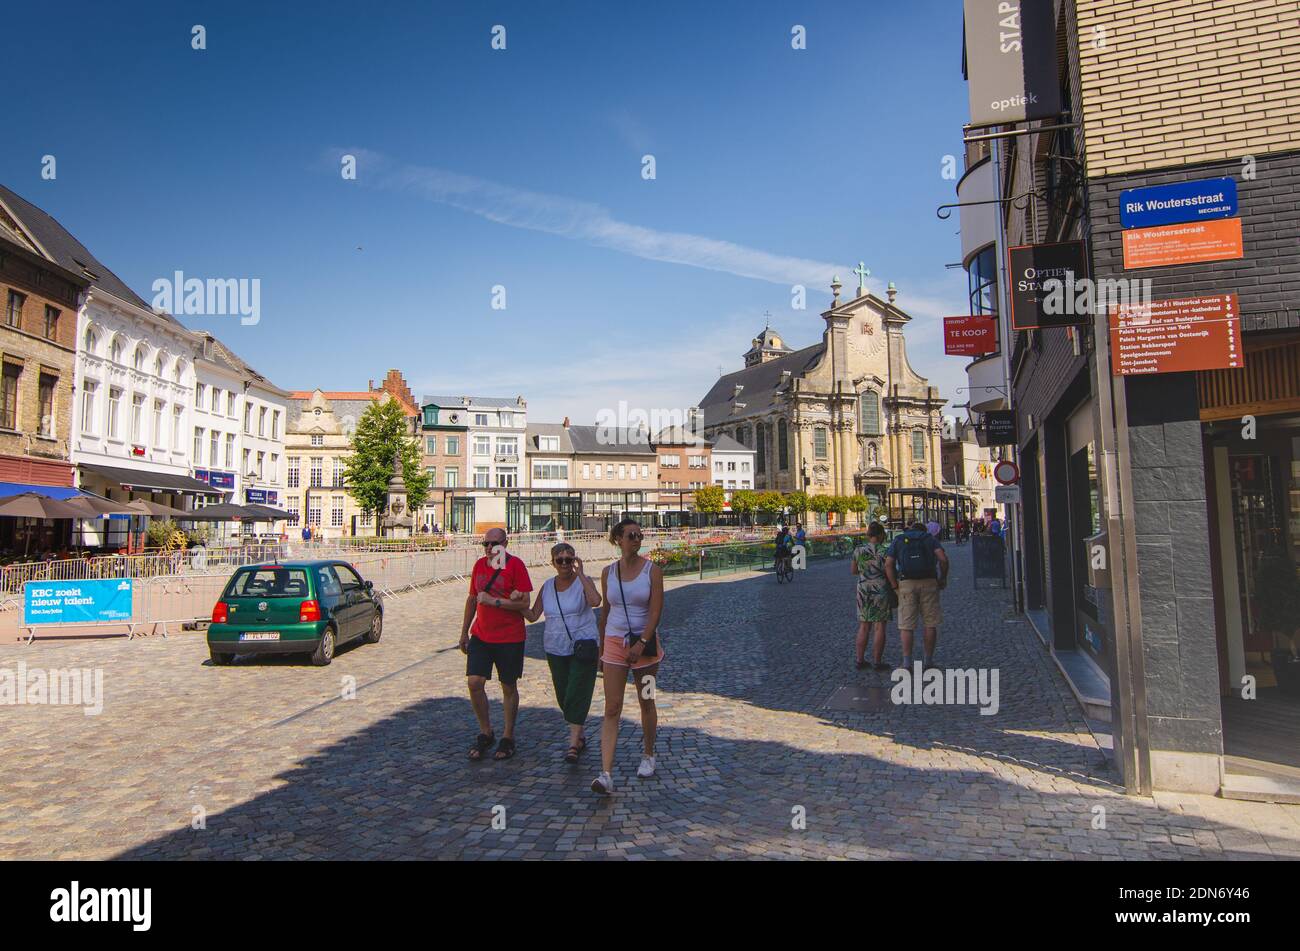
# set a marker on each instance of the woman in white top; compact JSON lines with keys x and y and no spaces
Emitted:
{"x":633,"y":589}
{"x":570,"y":639}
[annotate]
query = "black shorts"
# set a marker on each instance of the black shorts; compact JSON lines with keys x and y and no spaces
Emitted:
{"x":508,"y":658}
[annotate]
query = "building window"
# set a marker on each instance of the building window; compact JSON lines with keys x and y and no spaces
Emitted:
{"x":430,"y":445}
{"x":670,"y":461}
{"x":869,"y":412}
{"x":114,"y":409}
{"x":586,"y":470}
{"x":480,"y":477}
{"x":9,"y":396}
{"x":432,"y":473}
{"x":244,"y":460}
{"x":137,"y":418}
{"x":548,"y":443}
{"x":338,"y":472}
{"x":159,"y":431}
{"x":336,"y":511}
{"x":550,"y":470}
{"x":178,"y":414}
{"x":453,"y":446}
{"x":317,"y":439}
{"x":622,"y":471}
{"x":294,"y":472}
{"x":275,"y":469}
{"x":782,"y":445}
{"x":158,"y":364}
{"x":230,"y":403}
{"x":317,"y":471}
{"x":91,"y":340}
{"x":248,"y":418}
{"x":482,"y":446}
{"x":645,"y":472}
{"x":115,"y":351}
{"x":508,"y":447}
{"x":292,"y":509}
{"x":198,"y":445}
{"x":918,"y":445}
{"x":178,"y":371}
{"x":214,"y":448}
{"x":89,"y":387}
{"x":275,"y":423}
{"x":261,"y":421}
{"x":313,"y":510}
{"x":983,"y":282}
{"x":760,"y":447}
{"x":507,"y":478}
{"x":14,"y":314}
{"x":431,"y":416}
{"x":819,"y":442}
{"x":480,"y":419}
{"x":599,"y":470}
{"x":51,"y":322}
{"x":141,"y":355}
{"x":452,"y":476}
{"x":215,"y":405}
{"x":507,"y":419}
{"x":230,"y":450}
{"x":609,"y":471}
{"x":200,"y":390}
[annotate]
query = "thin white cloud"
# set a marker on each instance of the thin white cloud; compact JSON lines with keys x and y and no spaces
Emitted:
{"x":586,"y":221}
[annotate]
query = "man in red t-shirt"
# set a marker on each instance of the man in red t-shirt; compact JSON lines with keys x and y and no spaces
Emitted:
{"x":494,"y":614}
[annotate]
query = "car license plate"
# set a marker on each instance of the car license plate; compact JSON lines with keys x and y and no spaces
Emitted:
{"x":260,"y":636}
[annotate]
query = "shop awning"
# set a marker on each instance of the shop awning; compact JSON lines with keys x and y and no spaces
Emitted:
{"x":147,"y":480}
{"x":49,"y":491}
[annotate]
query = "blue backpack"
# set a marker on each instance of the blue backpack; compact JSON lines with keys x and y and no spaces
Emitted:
{"x":914,"y":555}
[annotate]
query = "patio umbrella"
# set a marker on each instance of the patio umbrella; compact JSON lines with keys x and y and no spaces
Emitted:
{"x":156,"y":509}
{"x":222,"y":512}
{"x":32,"y":505}
{"x":93,"y":506}
{"x":265,"y":513}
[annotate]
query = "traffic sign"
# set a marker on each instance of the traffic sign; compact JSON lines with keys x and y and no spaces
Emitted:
{"x":1006,"y":472}
{"x":1007,"y":494}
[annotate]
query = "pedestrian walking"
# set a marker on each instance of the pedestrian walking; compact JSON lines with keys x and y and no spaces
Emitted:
{"x":632,"y":591}
{"x":492,"y":635}
{"x":875,"y":596}
{"x":917,"y":568}
{"x":571,"y":639}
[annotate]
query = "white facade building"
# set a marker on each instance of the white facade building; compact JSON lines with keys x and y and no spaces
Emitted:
{"x":733,"y":464}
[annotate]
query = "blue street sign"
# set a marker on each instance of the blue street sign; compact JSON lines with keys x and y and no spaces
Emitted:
{"x":1179,"y":202}
{"x":62,"y":602}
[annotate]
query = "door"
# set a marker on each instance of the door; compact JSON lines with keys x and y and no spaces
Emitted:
{"x":360,"y":603}
{"x":333,"y":604}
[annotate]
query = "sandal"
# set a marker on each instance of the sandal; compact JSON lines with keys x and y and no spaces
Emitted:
{"x":482,"y":745}
{"x":505,"y":749}
{"x":575,"y":751}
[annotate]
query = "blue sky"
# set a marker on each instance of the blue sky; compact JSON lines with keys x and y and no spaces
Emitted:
{"x":519,"y":168}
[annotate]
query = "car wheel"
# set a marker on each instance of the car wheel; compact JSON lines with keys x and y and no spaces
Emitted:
{"x":325,"y":649}
{"x":376,"y":628}
{"x":220,"y":660}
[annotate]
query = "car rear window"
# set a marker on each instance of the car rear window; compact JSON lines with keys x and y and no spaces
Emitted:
{"x":268,"y":583}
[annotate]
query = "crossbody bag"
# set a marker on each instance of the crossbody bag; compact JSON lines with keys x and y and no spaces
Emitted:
{"x":651,"y":648}
{"x":585,"y":650}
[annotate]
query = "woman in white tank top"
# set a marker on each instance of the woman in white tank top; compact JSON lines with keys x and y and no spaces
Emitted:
{"x":633,"y":590}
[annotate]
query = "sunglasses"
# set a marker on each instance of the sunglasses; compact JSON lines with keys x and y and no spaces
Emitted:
{"x":633,"y":536}
{"x":565,"y":561}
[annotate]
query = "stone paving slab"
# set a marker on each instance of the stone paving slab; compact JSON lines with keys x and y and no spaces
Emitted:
{"x":279,"y":766}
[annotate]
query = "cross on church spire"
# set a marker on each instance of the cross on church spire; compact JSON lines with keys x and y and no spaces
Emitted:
{"x":863,"y":273}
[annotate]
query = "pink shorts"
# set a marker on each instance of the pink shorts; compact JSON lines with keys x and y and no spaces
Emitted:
{"x":616,"y":653}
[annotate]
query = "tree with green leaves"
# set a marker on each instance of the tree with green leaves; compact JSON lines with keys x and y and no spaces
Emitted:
{"x":710,"y":499}
{"x":382,"y":432}
{"x":743,"y":502}
{"x":770,"y":503}
{"x":797,"y":503}
{"x":857,"y":504}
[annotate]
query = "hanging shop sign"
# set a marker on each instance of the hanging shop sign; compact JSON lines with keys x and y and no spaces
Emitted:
{"x":1033,"y":265}
{"x":1011,"y":64}
{"x":1000,"y":428}
{"x":1176,"y":336}
{"x":1190,"y":243}
{"x":1202,"y":200}
{"x":969,"y":336}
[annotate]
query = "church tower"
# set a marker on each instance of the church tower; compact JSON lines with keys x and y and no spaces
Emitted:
{"x":766,"y":346}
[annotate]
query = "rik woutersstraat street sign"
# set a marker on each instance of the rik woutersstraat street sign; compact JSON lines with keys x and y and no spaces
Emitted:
{"x":1173,"y":204}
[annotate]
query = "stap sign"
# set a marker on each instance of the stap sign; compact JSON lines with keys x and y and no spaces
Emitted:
{"x":969,"y":336}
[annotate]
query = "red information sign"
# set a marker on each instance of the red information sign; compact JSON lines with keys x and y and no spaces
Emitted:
{"x":1189,"y":243}
{"x":970,"y":336}
{"x":1173,"y":336}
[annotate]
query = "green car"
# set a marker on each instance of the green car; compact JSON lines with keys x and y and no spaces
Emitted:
{"x":305,"y":607}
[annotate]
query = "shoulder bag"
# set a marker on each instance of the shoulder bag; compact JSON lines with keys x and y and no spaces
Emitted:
{"x":585,"y":650}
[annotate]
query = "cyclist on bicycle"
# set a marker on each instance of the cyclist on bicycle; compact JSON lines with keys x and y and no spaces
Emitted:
{"x":784,"y":545}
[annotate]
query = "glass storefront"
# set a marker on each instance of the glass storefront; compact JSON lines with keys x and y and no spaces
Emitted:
{"x":1084,"y":489}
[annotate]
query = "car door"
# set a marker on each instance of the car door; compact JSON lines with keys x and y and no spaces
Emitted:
{"x":332,"y":601}
{"x":359,"y":601}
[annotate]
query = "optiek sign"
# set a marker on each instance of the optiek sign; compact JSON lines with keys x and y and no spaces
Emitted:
{"x":1178,"y":203}
{"x":1011,"y":61}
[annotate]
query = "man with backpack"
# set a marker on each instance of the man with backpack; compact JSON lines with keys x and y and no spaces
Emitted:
{"x":917,"y":568}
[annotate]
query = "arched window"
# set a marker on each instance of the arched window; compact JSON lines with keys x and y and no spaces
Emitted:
{"x":158,"y":364}
{"x":178,"y":370}
{"x":782,"y":445}
{"x":141,"y":353}
{"x":115,"y":351}
{"x":91,"y":343}
{"x":760,"y":448}
{"x":869,"y":412}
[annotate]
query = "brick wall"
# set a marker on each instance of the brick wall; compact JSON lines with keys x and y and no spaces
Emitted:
{"x":26,"y":348}
{"x":1170,"y":82}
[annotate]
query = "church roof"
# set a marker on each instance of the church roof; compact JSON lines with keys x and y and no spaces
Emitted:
{"x":769,"y":339}
{"x":760,"y":383}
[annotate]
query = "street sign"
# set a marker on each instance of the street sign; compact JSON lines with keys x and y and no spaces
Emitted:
{"x":1006,"y":472}
{"x":1190,"y":243}
{"x":969,"y":336}
{"x":1011,"y":61}
{"x":1007,"y":494}
{"x":1203,"y":200}
{"x":1000,"y":427}
{"x":1032,"y":264}
{"x":1175,"y":336}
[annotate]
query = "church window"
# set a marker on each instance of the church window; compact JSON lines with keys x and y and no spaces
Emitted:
{"x":819,"y":442}
{"x":918,"y":445}
{"x":782,"y":445}
{"x":869,"y":410}
{"x":760,"y":447}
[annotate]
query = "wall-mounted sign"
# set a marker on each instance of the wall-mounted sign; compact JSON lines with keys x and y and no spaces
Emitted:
{"x":1000,"y":427}
{"x":1182,"y":201}
{"x":63,"y":602}
{"x":1006,"y":472}
{"x":1011,"y":61}
{"x":1175,"y":336}
{"x":218,"y":480}
{"x":1007,"y":494}
{"x":1030,"y":266}
{"x":971,"y":336}
{"x":260,"y":496}
{"x":1189,"y":243}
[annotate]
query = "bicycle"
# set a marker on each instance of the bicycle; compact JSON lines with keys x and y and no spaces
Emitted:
{"x":784,"y":568}
{"x":843,"y":547}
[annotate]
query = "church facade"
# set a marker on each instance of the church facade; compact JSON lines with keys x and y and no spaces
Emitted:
{"x":845,"y":416}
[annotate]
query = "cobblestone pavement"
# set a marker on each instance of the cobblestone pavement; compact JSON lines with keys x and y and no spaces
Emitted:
{"x":280,"y":766}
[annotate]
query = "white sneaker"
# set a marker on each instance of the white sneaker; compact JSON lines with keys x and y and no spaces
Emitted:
{"x":647,"y":767}
{"x":603,"y":784}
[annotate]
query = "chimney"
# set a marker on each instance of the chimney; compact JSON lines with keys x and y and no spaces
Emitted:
{"x":370,"y":386}
{"x":566,"y":422}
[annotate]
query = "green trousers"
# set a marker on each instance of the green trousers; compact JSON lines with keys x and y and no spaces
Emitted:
{"x":574,"y":683}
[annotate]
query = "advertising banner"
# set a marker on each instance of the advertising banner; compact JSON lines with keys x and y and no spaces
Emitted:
{"x":1011,"y":67}
{"x":1175,"y":336}
{"x":1190,"y":243}
{"x":969,"y":336}
{"x":64,"y":602}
